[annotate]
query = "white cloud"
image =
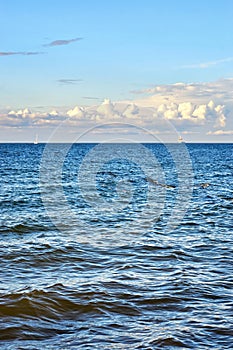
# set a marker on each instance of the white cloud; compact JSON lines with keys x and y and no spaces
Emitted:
{"x":211,"y":104}
{"x":27,"y":118}
{"x":191,"y":108}
{"x":177,"y":113}
{"x":106,"y":108}
{"x":24,"y":113}
{"x":220,"y":132}
{"x":76,"y":112}
{"x":186,"y":109}
{"x":169,"y":111}
{"x":182,"y":113}
{"x":221,"y":120}
{"x":54,"y":113}
{"x":200,"y":113}
{"x":131,"y":111}
{"x":219,"y":91}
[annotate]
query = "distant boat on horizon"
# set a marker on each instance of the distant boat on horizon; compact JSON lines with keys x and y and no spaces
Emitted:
{"x":180,"y":139}
{"x":36,"y":140}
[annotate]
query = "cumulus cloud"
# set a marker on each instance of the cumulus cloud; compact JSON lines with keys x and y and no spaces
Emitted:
{"x":168,"y":111}
{"x":131,"y":111}
{"x":190,"y":113}
{"x":22,"y":117}
{"x":27,"y":118}
{"x":53,"y":112}
{"x":185,"y":113}
{"x":186,"y":109}
{"x":76,"y":112}
{"x":106,"y":108}
{"x":106,"y":111}
{"x":200,"y":113}
{"x":22,"y":113}
{"x":204,"y":108}
{"x":221,"y":118}
{"x":60,"y":42}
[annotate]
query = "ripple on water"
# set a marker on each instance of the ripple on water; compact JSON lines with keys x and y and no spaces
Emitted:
{"x":106,"y":288}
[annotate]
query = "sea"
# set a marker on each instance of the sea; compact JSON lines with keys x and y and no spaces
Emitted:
{"x":116,"y":247}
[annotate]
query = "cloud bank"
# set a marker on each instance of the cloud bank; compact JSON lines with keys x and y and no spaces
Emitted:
{"x":203,"y":108}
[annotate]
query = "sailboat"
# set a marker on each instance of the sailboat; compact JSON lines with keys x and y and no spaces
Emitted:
{"x":180,"y":139}
{"x":36,"y":140}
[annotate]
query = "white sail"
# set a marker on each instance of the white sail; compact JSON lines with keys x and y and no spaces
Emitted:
{"x":180,"y":139}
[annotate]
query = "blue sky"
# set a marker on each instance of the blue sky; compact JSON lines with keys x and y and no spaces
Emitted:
{"x":124,"y":46}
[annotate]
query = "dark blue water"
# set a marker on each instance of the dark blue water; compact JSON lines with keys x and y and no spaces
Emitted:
{"x":86,"y":267}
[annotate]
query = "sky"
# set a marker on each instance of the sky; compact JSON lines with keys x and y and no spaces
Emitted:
{"x":158,"y":65}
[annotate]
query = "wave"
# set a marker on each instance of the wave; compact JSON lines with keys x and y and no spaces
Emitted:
{"x":39,"y":313}
{"x":24,"y":228}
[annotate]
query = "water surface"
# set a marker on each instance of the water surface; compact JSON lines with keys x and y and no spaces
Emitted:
{"x":117,"y":281}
